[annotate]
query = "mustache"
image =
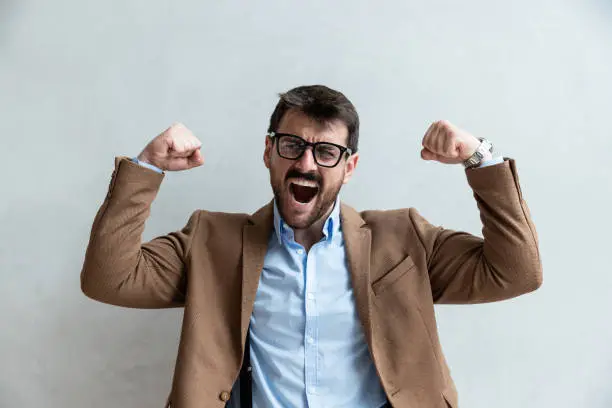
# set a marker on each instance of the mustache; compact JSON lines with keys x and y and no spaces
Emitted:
{"x":312,"y":176}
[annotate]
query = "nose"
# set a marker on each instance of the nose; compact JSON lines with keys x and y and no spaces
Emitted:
{"x":306,"y":162}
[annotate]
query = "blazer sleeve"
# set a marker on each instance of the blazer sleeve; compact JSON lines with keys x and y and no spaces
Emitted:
{"x":118,"y":269}
{"x":464,"y":268}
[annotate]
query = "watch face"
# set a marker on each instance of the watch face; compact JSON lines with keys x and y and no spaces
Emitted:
{"x":475,"y":159}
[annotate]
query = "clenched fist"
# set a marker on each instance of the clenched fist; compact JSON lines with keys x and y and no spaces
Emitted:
{"x":175,"y":149}
{"x":446,"y":143}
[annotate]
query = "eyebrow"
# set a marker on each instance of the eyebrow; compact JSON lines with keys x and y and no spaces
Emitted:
{"x":319,"y":141}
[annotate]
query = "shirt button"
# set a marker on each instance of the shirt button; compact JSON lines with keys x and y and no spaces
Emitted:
{"x":311,"y":296}
{"x":312,"y":390}
{"x":310,"y":340}
{"x":300,"y":251}
{"x":224,"y":396}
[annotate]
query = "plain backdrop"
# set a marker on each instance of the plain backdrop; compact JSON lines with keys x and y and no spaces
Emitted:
{"x":83,"y":82}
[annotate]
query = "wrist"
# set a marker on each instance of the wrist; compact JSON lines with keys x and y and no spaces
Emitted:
{"x":483,"y":152}
{"x":470,"y":148}
{"x":144,"y":159}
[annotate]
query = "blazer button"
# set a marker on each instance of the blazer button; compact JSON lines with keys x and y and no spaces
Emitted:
{"x":224,"y":396}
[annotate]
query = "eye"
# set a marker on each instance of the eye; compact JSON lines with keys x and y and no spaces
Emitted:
{"x":290,"y":143}
{"x":327,"y":151}
{"x":294,"y":144}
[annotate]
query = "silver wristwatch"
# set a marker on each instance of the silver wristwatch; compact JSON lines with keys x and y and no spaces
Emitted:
{"x":476,"y":158}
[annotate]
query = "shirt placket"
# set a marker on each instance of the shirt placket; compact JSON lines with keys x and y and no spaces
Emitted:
{"x":311,"y":328}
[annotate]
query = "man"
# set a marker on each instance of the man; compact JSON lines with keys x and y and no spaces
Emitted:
{"x":307,"y":302}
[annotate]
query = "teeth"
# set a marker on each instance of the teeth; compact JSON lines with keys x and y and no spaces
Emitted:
{"x":305,"y":183}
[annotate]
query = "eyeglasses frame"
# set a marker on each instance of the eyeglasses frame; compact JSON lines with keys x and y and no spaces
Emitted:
{"x":343,"y":149}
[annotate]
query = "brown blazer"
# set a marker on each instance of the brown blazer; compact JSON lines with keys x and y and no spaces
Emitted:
{"x":400,"y":266}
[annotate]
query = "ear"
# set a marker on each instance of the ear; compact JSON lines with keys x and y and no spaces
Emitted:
{"x":350,"y":166}
{"x":268,"y":151}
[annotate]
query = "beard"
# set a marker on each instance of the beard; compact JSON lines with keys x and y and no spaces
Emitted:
{"x":295,"y":213}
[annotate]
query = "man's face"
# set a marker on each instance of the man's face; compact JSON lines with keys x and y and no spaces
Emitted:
{"x":304,"y":191}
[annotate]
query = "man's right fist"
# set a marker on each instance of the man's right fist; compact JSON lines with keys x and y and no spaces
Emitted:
{"x":175,"y":149}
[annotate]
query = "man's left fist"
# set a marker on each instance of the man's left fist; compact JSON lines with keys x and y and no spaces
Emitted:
{"x":446,"y":143}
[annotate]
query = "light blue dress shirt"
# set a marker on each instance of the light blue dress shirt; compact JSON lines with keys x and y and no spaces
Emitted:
{"x":307,"y":344}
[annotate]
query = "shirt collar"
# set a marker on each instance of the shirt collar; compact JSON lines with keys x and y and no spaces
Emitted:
{"x":331,"y":227}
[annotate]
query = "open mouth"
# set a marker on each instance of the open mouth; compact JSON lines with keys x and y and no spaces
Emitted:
{"x":303,"y":194}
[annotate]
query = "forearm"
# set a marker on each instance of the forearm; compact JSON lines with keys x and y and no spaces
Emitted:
{"x":510,"y":247}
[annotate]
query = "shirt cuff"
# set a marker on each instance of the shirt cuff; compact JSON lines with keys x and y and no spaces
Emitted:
{"x":147,"y":165}
{"x":493,"y":161}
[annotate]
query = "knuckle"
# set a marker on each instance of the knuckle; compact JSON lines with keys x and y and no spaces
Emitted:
{"x":445,"y":126}
{"x":178,"y":130}
{"x":179,"y":147}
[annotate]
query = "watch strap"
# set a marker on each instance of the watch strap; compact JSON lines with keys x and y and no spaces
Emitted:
{"x":476,"y":158}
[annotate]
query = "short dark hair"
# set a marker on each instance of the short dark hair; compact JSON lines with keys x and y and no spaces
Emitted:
{"x":322,"y":104}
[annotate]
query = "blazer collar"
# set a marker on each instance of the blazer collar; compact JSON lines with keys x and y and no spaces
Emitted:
{"x":358,"y":242}
{"x":255,"y":237}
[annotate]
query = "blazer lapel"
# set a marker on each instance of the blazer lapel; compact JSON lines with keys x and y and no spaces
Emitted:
{"x":358,"y":240}
{"x":255,"y":237}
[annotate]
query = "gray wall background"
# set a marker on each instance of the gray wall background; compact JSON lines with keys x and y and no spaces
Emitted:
{"x":82,"y":82}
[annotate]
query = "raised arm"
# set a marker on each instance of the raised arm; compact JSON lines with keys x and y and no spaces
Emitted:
{"x":464,"y":268}
{"x":118,"y":268}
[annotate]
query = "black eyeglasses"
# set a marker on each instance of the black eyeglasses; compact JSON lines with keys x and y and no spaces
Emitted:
{"x":292,"y":147}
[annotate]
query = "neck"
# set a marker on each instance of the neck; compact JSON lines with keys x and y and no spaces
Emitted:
{"x":307,"y":237}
